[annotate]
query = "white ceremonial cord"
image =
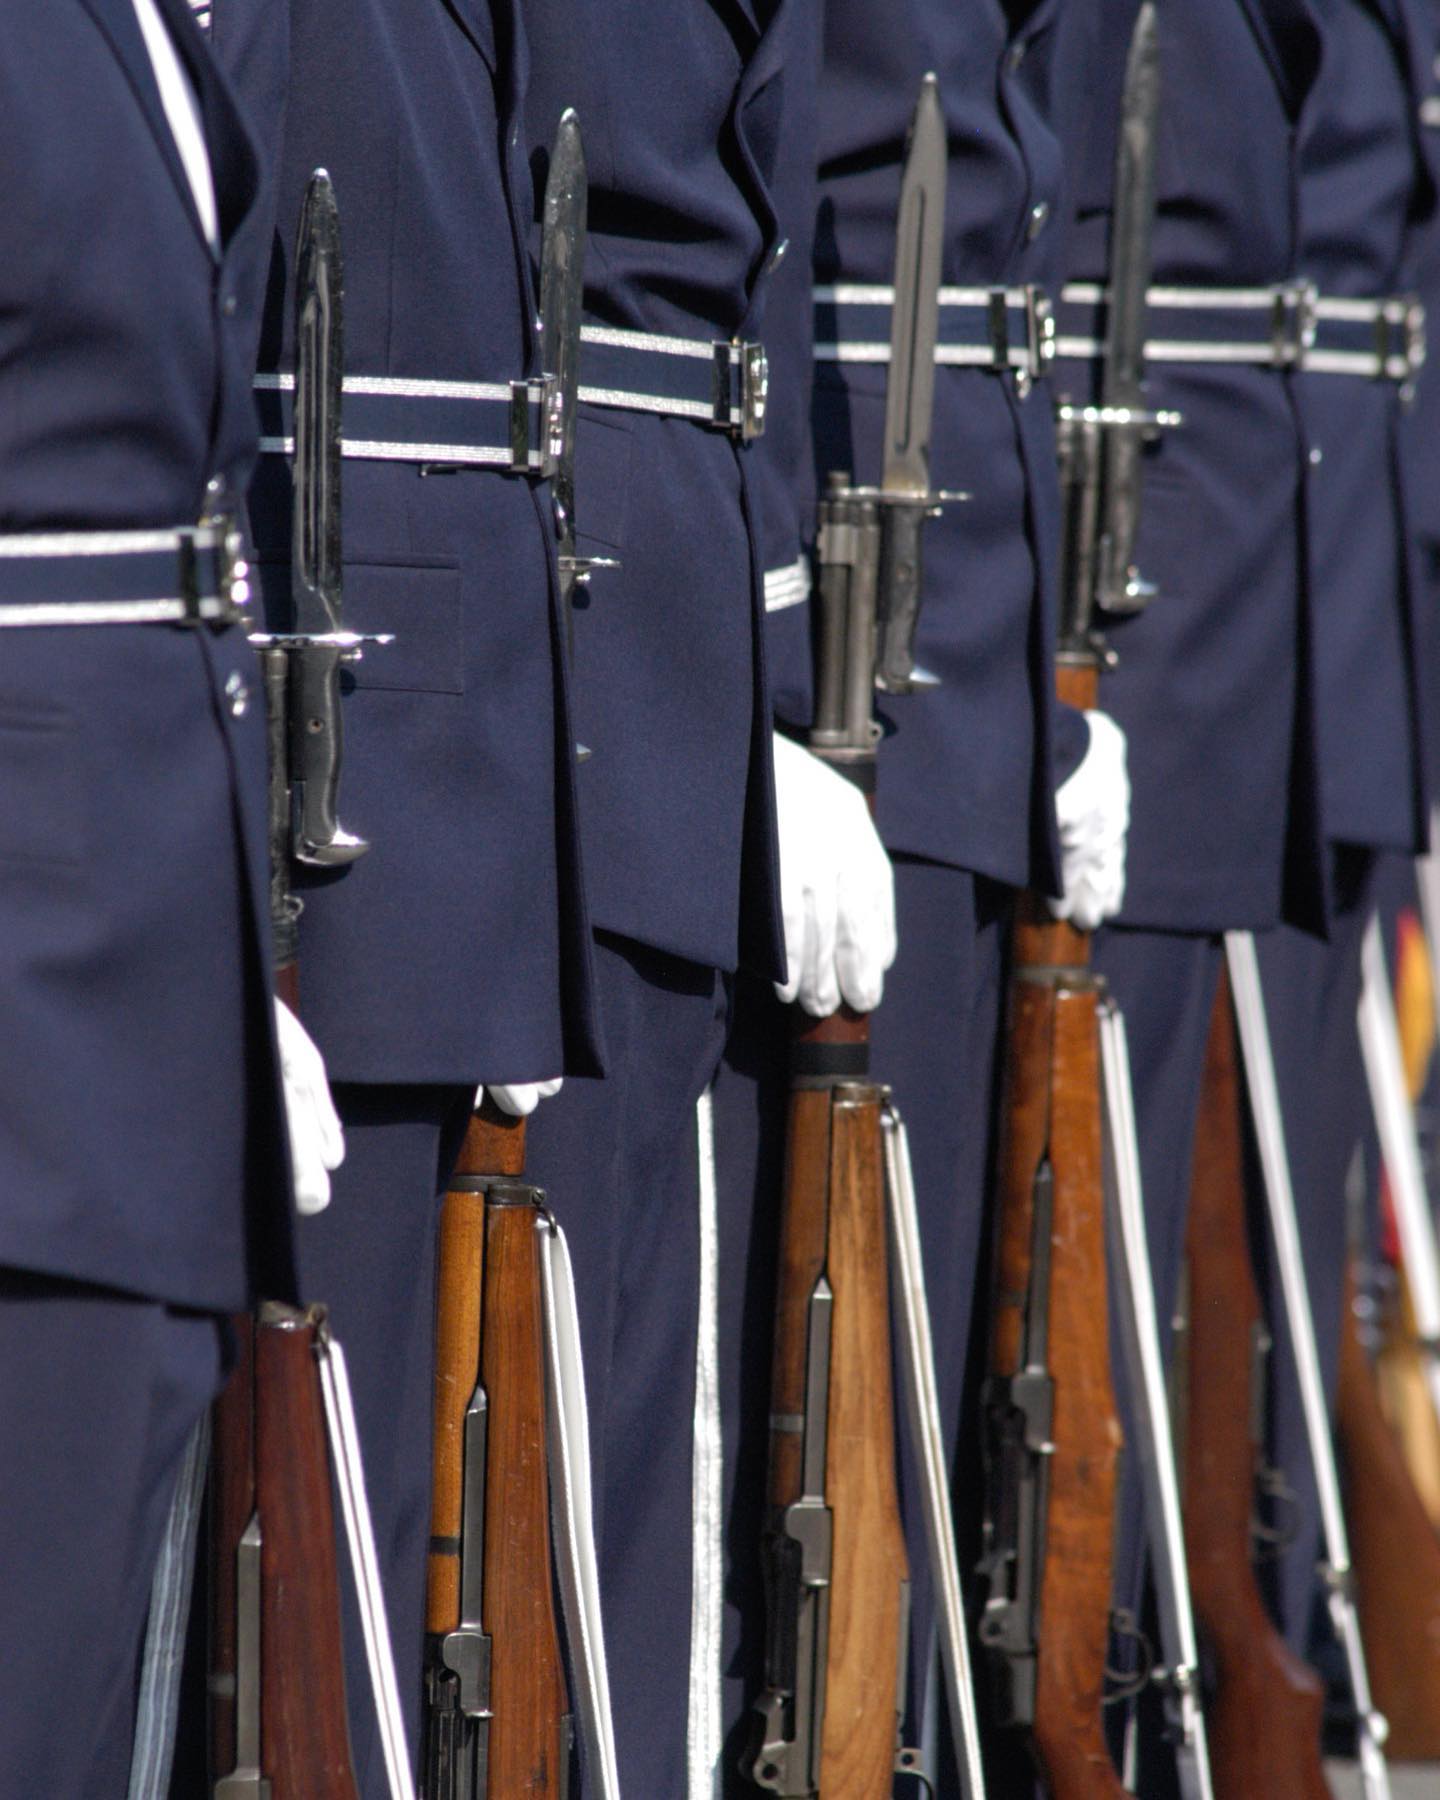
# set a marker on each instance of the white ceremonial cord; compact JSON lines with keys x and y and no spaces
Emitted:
{"x":360,"y":1534}
{"x":572,"y":1514}
{"x":707,"y":1490}
{"x":922,"y":1405}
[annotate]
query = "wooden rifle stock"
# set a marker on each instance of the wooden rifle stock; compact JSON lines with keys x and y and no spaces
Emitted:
{"x":836,"y":1572}
{"x":279,"y":1726}
{"x":489,"y":1604}
{"x":1395,"y":1554}
{"x":1053,"y":1437}
{"x":1264,"y":1716}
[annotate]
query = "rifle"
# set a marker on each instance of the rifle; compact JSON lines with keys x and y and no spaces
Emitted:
{"x":836,"y":1576}
{"x":278,"y":1722}
{"x":497,"y":1720}
{"x":1269,"y":1128}
{"x":1396,"y":1554}
{"x":1053,"y":1440}
{"x":1256,"y":1676}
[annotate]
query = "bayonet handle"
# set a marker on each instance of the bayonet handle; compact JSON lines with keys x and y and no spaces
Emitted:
{"x":901,"y":575}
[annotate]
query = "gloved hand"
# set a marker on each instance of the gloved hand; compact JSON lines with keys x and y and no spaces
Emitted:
{"x":317,"y":1144}
{"x":837,"y":892}
{"x":1093,"y":810}
{"x":518,"y":1098}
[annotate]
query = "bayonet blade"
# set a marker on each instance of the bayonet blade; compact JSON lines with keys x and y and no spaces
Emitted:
{"x":319,"y":373}
{"x":915,"y":320}
{"x":562,"y":264}
{"x":1133,"y":219}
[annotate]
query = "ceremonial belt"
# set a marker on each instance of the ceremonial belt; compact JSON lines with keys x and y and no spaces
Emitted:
{"x":999,"y":328}
{"x":514,"y":425}
{"x":169,"y":576}
{"x":1288,"y":326}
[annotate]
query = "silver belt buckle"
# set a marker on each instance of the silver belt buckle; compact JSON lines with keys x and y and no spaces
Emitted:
{"x":1040,"y":330}
{"x":1293,"y":324}
{"x":536,"y":426}
{"x":222,"y":538}
{"x":742,"y":388}
{"x":1400,"y":340}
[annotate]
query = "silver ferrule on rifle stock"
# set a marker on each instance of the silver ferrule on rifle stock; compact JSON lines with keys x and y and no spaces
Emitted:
{"x":1020,"y":1417}
{"x":245,"y":1781}
{"x":458,"y":1677}
{"x":799,"y":1551}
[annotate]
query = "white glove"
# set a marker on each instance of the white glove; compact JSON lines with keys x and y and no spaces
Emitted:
{"x":837,"y":892}
{"x":317,"y":1144}
{"x":518,"y":1098}
{"x":1092,"y":807}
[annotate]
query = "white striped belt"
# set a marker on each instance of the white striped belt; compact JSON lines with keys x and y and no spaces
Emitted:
{"x":999,"y":328}
{"x":514,"y":426}
{"x":1288,"y":326}
{"x":184,"y":575}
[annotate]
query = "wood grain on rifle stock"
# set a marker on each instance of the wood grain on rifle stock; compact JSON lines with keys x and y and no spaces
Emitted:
{"x":1265,"y":1714}
{"x":490,"y":1325}
{"x":1053,"y":1104}
{"x":1395,"y":1555}
{"x":869,"y":1560}
{"x":304,"y":1736}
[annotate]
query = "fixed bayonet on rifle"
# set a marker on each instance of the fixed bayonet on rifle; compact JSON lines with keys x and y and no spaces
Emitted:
{"x":1101,"y":447}
{"x":1052,"y":1476}
{"x":837,"y":1582}
{"x":497,"y":1720}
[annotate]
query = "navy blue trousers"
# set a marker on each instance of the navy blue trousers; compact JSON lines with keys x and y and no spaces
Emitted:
{"x":1311,"y":992}
{"x":370,"y":1257}
{"x":99,"y":1392}
{"x":619,"y":1159}
{"x":935,"y":1040}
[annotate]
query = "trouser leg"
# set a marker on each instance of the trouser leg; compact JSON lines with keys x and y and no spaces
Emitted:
{"x":99,"y":1393}
{"x":619,"y":1161}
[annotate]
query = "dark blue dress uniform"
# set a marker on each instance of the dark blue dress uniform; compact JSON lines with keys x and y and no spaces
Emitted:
{"x":680,"y":105}
{"x":966,"y":772}
{"x":456,"y":950}
{"x":1366,"y":197}
{"x":142,"y":1159}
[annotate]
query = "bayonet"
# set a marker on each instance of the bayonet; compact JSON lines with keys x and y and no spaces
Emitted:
{"x":1101,"y":447}
{"x":907,"y":500}
{"x":562,"y":298}
{"x":320,"y":644}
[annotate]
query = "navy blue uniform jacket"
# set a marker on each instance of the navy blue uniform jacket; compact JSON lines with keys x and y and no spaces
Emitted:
{"x":457,"y":949}
{"x":967,"y":772}
{"x":681,"y":105}
{"x":141,"y":1141}
{"x":1366,"y":194}
{"x":1213,"y":681}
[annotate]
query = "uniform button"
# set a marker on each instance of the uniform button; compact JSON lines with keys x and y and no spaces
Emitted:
{"x":1038,"y":220}
{"x":229,"y":306}
{"x":1317,"y":456}
{"x":237,"y":694}
{"x":1014,"y":57}
{"x":777,"y":256}
{"x":214,"y":487}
